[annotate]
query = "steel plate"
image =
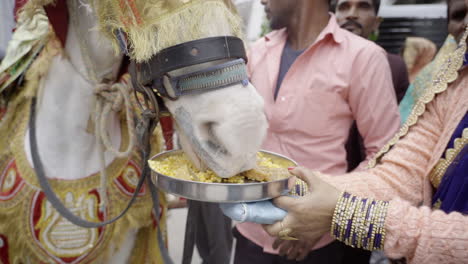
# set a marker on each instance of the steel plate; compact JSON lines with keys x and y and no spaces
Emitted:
{"x":223,"y":192}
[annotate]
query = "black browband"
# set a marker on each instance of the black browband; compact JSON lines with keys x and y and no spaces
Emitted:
{"x":186,"y":54}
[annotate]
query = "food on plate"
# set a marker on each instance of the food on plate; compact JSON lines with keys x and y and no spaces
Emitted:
{"x":179,"y":166}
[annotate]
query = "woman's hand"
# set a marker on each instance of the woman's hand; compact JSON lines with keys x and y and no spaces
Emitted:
{"x":309,"y":217}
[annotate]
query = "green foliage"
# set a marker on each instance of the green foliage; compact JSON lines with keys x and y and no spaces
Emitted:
{"x":265,"y":27}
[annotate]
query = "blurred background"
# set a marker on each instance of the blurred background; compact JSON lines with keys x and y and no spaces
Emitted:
{"x":401,"y":18}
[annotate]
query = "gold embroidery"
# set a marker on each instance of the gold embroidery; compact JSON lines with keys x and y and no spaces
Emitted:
{"x":34,"y":231}
{"x":59,"y":236}
{"x":446,"y":75}
{"x":442,"y":165}
{"x":420,"y":84}
{"x":91,"y":182}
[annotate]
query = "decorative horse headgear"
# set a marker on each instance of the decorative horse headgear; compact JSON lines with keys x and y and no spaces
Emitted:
{"x":148,"y":31}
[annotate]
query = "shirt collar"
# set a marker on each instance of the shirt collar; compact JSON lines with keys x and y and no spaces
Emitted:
{"x":332,"y":28}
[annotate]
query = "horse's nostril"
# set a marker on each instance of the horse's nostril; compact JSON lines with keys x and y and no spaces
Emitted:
{"x":216,"y":147}
{"x":206,"y":130}
{"x":211,"y":138}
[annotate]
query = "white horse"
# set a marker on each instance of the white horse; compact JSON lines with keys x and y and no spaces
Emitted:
{"x":231,"y":119}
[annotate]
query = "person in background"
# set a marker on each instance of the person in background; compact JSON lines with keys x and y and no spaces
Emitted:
{"x":413,"y":202}
{"x":426,"y":164}
{"x":417,"y":53}
{"x":361,"y":18}
{"x":316,"y":79}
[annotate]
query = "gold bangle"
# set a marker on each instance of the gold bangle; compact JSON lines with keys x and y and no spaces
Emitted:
{"x":360,"y":225}
{"x":338,"y":208}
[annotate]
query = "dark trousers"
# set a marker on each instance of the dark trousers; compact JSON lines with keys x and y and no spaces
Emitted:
{"x":248,"y":252}
{"x":210,"y":230}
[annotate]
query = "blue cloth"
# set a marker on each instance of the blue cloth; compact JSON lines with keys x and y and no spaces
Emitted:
{"x":406,"y":105}
{"x":257,"y":212}
{"x":452,"y":193}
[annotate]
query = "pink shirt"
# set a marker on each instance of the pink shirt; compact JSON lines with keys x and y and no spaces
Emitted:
{"x":338,"y":79}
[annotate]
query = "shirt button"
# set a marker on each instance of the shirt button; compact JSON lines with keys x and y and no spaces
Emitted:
{"x":283,"y":99}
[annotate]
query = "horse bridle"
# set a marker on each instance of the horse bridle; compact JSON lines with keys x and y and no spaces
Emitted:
{"x":152,"y":81}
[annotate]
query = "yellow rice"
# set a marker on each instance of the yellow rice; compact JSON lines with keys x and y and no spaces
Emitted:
{"x":179,"y":166}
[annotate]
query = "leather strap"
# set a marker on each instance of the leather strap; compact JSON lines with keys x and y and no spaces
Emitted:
{"x":153,"y":75}
{"x":189,"y":237}
{"x":189,"y":54}
{"x":154,"y":193}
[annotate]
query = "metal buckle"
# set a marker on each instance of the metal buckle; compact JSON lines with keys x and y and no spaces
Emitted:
{"x":171,"y":93}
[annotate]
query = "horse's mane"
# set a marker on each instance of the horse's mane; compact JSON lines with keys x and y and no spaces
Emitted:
{"x":152,"y":25}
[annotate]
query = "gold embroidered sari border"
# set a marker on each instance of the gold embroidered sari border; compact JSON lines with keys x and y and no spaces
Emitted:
{"x":446,"y":75}
{"x":442,"y":165}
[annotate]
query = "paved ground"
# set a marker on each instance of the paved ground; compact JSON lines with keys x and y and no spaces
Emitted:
{"x":176,"y":231}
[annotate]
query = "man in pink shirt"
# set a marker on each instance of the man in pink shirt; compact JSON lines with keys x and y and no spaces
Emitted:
{"x":316,"y":78}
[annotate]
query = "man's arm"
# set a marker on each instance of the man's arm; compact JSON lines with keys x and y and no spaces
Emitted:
{"x":372,"y":100}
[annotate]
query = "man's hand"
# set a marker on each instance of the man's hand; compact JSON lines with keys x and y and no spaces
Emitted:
{"x":293,"y":249}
